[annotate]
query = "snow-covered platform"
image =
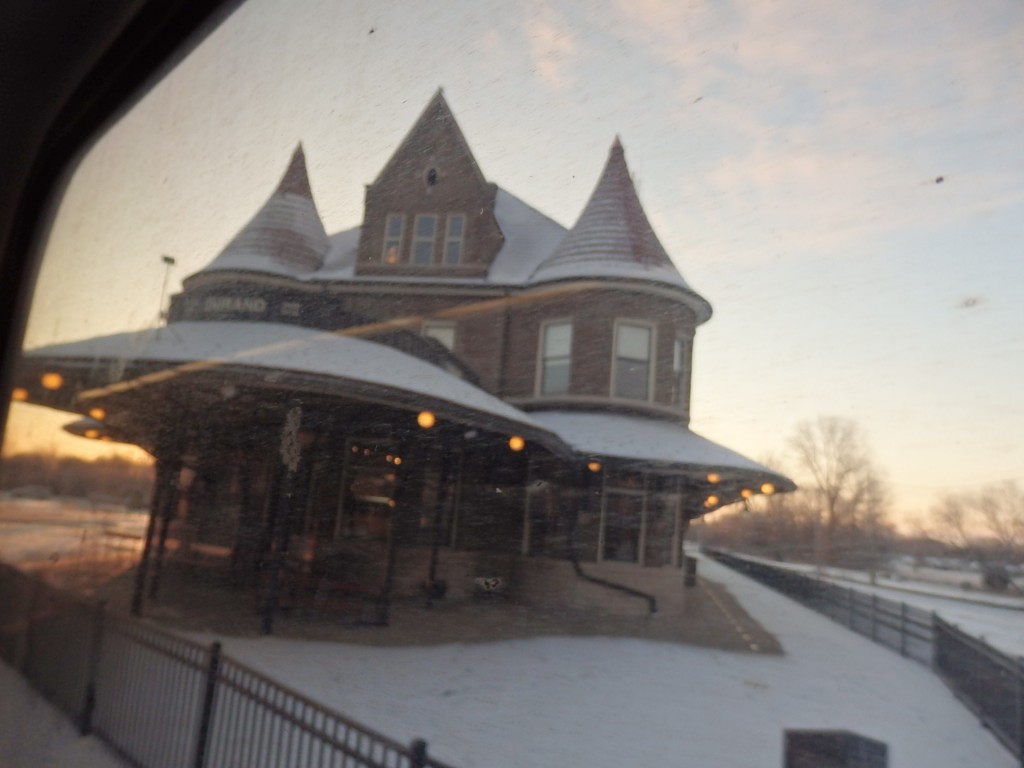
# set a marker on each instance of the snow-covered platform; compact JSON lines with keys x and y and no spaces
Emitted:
{"x":606,"y":701}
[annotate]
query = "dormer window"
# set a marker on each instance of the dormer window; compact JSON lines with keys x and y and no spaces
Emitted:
{"x":393,"y":238}
{"x":453,"y":238}
{"x":631,"y":371}
{"x":423,"y":239}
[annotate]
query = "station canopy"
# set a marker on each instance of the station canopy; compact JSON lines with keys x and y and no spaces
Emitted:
{"x":210,"y":362}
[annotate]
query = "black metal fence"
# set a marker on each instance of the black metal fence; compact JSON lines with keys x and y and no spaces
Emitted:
{"x":163,"y":702}
{"x":990,"y":683}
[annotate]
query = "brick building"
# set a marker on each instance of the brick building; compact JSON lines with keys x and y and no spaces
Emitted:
{"x":497,"y":401}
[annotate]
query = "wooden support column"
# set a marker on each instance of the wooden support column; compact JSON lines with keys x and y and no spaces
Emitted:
{"x":170,"y":506}
{"x":444,"y":495}
{"x":414,"y":452}
{"x":160,"y":493}
{"x":291,"y":456}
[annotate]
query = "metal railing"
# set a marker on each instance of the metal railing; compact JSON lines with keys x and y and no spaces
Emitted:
{"x":162,"y":701}
{"x":989,"y":682}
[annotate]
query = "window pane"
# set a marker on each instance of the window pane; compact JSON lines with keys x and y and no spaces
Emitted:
{"x":631,"y":379}
{"x":558,"y":340}
{"x":622,"y":528}
{"x":423,"y":252}
{"x":455,"y":222}
{"x":633,"y":341}
{"x":394,"y":226}
{"x":556,"y":377}
{"x":442,"y":332}
{"x":453,"y":253}
{"x":425,"y":226}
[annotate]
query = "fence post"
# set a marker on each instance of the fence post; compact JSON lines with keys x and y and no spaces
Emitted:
{"x":903,"y":629}
{"x":1020,"y":709}
{"x":207,"y":713}
{"x":874,"y":615}
{"x":418,"y":754}
{"x":89,"y":705}
{"x":28,"y":642}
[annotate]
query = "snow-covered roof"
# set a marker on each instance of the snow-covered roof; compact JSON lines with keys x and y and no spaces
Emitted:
{"x":286,"y":348}
{"x":530,"y":237}
{"x":613,"y":238}
{"x":286,"y":236}
{"x":638,"y":438}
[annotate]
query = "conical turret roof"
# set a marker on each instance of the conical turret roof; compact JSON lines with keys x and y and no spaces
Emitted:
{"x":286,"y":234}
{"x":613,"y":238}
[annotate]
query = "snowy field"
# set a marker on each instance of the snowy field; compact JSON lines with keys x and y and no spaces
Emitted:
{"x":618,"y":702}
{"x":72,"y":534}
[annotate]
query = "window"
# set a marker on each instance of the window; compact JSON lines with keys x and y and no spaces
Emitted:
{"x":556,"y":358}
{"x":679,"y":372}
{"x":423,"y":239}
{"x":442,"y":332}
{"x":453,"y":238}
{"x":632,"y":365}
{"x":393,"y":238}
{"x":623,"y":523}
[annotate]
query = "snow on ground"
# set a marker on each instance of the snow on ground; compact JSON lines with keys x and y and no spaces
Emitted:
{"x":621,"y":702}
{"x":35,"y":734}
{"x":1002,"y":628}
{"x":926,"y":581}
{"x":54,"y":529}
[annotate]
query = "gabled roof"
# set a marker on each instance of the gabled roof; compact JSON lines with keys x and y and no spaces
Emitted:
{"x":286,"y":235}
{"x":613,"y":238}
{"x":435,"y":127}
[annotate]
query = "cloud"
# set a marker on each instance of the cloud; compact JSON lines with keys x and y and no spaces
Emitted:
{"x":554,"y":47}
{"x":821,"y":124}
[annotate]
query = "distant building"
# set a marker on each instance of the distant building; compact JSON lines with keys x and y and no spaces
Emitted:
{"x":497,"y":400}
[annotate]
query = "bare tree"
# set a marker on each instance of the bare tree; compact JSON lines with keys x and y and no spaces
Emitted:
{"x":1002,"y":508}
{"x":849,"y":490}
{"x":984,"y":524}
{"x":953,"y":515}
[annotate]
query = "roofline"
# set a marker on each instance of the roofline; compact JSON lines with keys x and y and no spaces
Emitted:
{"x":702,"y":308}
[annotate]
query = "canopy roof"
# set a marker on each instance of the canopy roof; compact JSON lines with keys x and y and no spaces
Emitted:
{"x":634,"y":438}
{"x":337,"y":364}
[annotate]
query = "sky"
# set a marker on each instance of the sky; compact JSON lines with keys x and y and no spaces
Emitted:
{"x":844,"y":182}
